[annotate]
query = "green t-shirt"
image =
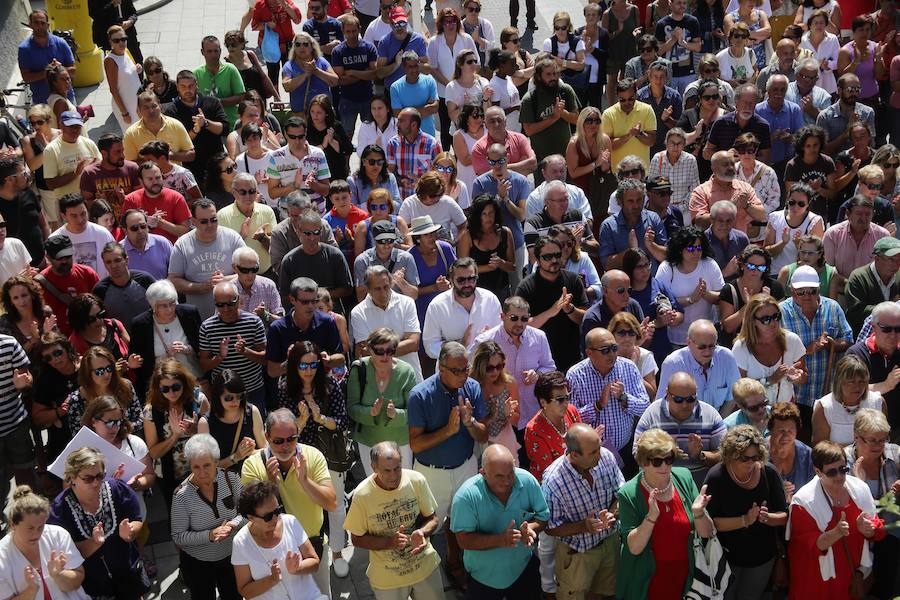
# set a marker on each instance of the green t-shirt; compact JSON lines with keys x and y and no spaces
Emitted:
{"x":369,"y":430}
{"x":538,"y":105}
{"x":226,"y":82}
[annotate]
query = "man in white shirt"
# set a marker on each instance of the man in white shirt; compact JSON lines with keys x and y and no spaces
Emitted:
{"x":462,"y":312}
{"x":383,"y":308}
{"x":87,"y":238}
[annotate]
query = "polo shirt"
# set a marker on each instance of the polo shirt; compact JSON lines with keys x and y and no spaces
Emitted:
{"x":446,"y":319}
{"x":355,"y":59}
{"x":428,"y":407}
{"x":616,"y":123}
{"x":614,"y":233}
{"x":283,"y":332}
{"x":725,"y":130}
{"x":521,"y":187}
{"x":790,"y":117}
{"x":153,"y":259}
{"x":833,"y":121}
{"x":389,"y":46}
{"x":538,"y":224}
{"x":172,"y":132}
{"x":399,"y":316}
{"x":518,"y":148}
{"x":880,"y":365}
{"x":35,"y":57}
{"x":232,"y":218}
{"x":424,"y":91}
{"x":723,"y":251}
{"x":475,"y":509}
{"x":670,"y":98}
{"x":169,"y":201}
{"x":708,"y":193}
{"x":704,"y":421}
{"x":713,"y":383}
{"x":224,"y":83}
{"x":399,"y":259}
{"x":577,"y":200}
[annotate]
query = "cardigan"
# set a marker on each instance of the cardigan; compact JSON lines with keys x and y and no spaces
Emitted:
{"x":143,"y":339}
{"x":635,"y":571}
{"x":369,"y":430}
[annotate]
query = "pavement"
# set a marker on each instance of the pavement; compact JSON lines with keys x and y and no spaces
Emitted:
{"x":172,"y":31}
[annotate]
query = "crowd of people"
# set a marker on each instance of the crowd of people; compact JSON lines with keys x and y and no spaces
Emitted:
{"x":616,"y":319}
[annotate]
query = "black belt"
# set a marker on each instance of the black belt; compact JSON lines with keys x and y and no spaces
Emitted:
{"x":441,"y":467}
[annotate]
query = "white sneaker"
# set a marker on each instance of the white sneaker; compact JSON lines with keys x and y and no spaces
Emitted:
{"x":341,"y":568}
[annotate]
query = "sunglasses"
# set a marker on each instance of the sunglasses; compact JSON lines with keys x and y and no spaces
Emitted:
{"x":657,"y":461}
{"x":296,"y":136}
{"x":306,"y":366}
{"x":807,"y":292}
{"x":561,"y":28}
{"x":606,"y":350}
{"x":37,"y":122}
{"x":627,"y":100}
{"x":747,"y":459}
{"x":175,"y":387}
{"x":375,"y":162}
{"x":402,"y":24}
{"x":53,"y":355}
{"x":473,"y":9}
{"x":740,"y":36}
{"x":498,"y":161}
{"x":232,"y":397}
{"x":112,"y":423}
{"x":561,"y":399}
{"x":378,"y":207}
{"x":288,"y":440}
{"x":118,"y":40}
{"x":389,"y":351}
{"x":710,"y":96}
{"x":693,"y":248}
{"x":888,"y":328}
{"x":449,"y":21}
{"x":302,"y":44}
{"x":800,"y":203}
{"x":592,"y":121}
{"x":306,"y":302}
{"x":248,"y":270}
{"x":208,"y":221}
{"x":683,"y":399}
{"x":760,"y":268}
{"x":140,"y":227}
{"x":465,"y":280}
{"x":513,"y":40}
{"x":386,"y":241}
{"x":873,"y":186}
{"x":621,"y":289}
{"x":100,"y":371}
{"x":853,"y":89}
{"x":551,"y":256}
{"x":458,"y":372}
{"x":89,"y":479}
{"x":834,"y":472}
{"x":242,"y":192}
{"x":279,"y":510}
{"x":229,"y":169}
{"x":517,"y":318}
{"x":447,"y":169}
{"x":756,"y":407}
{"x":626,"y":333}
{"x":154,"y":71}
{"x":228,"y":303}
{"x":747,"y":149}
{"x":768,"y":319}
{"x":632,"y":172}
{"x":313,"y":232}
{"x":94,"y":318}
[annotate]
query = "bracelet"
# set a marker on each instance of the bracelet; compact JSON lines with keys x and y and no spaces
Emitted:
{"x":653,"y":521}
{"x":744,"y":521}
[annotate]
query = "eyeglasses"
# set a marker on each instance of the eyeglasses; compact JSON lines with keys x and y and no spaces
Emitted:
{"x":386,"y":241}
{"x":302,"y":44}
{"x":53,"y":355}
{"x":693,"y":248}
{"x":402,"y":25}
{"x":621,"y":289}
{"x":243,"y":192}
{"x":154,"y":71}
{"x":208,"y":221}
{"x":37,"y":122}
{"x":835,"y":471}
{"x":683,"y":399}
{"x":446,"y":169}
{"x":94,"y":318}
{"x":100,"y":371}
{"x":873,"y":186}
{"x":498,"y":161}
{"x":296,"y":136}
{"x":140,"y":227}
{"x":232,"y":397}
{"x":605,"y":350}
{"x":853,"y":89}
{"x":474,"y":9}
{"x":642,"y":266}
{"x":112,"y":423}
{"x":229,"y":169}
{"x":747,"y":459}
{"x":517,"y":318}
{"x":375,"y":162}
{"x":306,"y":366}
{"x":633,"y":172}
{"x":871,"y":442}
{"x":465,"y":280}
{"x":809,"y":252}
{"x":288,"y":440}
{"x":312,"y":232}
{"x":248,"y":270}
{"x":626,"y":333}
{"x":768,"y":319}
{"x":374,"y":206}
{"x":175,"y":387}
{"x":657,"y":461}
{"x":888,"y":328}
{"x":710,"y":96}
{"x":561,"y":28}
{"x":89,"y":479}
{"x":756,"y":407}
{"x":495,"y":368}
{"x":800,"y":203}
{"x":550,"y":256}
{"x":760,"y":268}
{"x":747,"y":149}
{"x":279,"y":510}
{"x":450,"y":21}
{"x":118,"y":40}
{"x":228,"y":303}
{"x":740,"y":36}
{"x":592,"y":121}
{"x":458,"y":372}
{"x":810,"y":291}
{"x":702,"y":347}
{"x":561,"y":399}
{"x":384,"y":351}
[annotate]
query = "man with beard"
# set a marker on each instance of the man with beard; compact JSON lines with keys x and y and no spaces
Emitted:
{"x":113,"y":177}
{"x":728,"y":127}
{"x":21,"y":209}
{"x":723,"y":186}
{"x":124,"y":290}
{"x":63,"y":280}
{"x":804,"y":92}
{"x":411,"y":152}
{"x":167,"y":211}
{"x":146,"y":251}
{"x":549,"y":111}
{"x":460,"y":313}
{"x":153,"y":125}
{"x":838,"y":118}
{"x":558,"y":302}
{"x":40,"y":50}
{"x":519,"y":154}
{"x":204,"y":119}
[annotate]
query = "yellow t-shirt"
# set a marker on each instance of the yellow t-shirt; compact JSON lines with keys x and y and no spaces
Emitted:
{"x":172,"y":132}
{"x":616,"y":124}
{"x":295,"y":501}
{"x":376,"y":511}
{"x":61,"y":158}
{"x":231,"y":218}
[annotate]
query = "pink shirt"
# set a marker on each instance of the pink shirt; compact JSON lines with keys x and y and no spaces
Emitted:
{"x":895,"y":76}
{"x":707,"y":194}
{"x":842,"y":251}
{"x":518,"y":148}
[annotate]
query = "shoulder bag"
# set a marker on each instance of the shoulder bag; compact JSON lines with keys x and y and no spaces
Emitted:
{"x":712,"y":572}
{"x":577,"y":79}
{"x":335,"y":445}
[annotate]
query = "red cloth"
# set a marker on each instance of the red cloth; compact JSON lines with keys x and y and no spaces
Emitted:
{"x":81,"y":345}
{"x":337,"y":8}
{"x":284,"y":26}
{"x":543,"y":444}
{"x":80,"y":280}
{"x":169,"y":201}
{"x":669,"y":540}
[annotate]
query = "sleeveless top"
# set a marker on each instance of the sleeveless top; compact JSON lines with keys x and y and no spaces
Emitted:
{"x":865,"y":70}
{"x":38,"y":149}
{"x":497,"y":280}
{"x":841,"y":420}
{"x":466,"y":173}
{"x":824,"y":277}
{"x":623,"y":46}
{"x":224,"y":434}
{"x":778,"y":221}
{"x":759,"y":48}
{"x":128,"y":83}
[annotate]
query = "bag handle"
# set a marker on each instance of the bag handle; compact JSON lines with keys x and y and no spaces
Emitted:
{"x":237,"y":437}
{"x":63,"y":297}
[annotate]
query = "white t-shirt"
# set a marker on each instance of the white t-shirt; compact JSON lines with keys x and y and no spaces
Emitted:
{"x":136,"y":448}
{"x":400,"y":316}
{"x":246,"y":164}
{"x":777,"y":223}
{"x":646,"y":363}
{"x":369,"y":133}
{"x":376,"y":30}
{"x":683,"y":284}
{"x":13,"y":258}
{"x":782,"y":391}
{"x":445,"y":212}
{"x":460,"y":95}
{"x":13,"y":563}
{"x":562,"y":48}
{"x":733,"y":68}
{"x":88,"y":245}
{"x":507,"y":94}
{"x":245,"y":551}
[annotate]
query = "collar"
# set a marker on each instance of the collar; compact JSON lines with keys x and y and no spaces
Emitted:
{"x":391,"y":301}
{"x":871,"y":347}
{"x":599,"y":374}
{"x":695,"y":362}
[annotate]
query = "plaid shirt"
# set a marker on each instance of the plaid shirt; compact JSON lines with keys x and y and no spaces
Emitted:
{"x":683,"y":175}
{"x":411,"y":159}
{"x":829,"y":318}
{"x":263,"y":291}
{"x":587,"y":385}
{"x":571,"y":499}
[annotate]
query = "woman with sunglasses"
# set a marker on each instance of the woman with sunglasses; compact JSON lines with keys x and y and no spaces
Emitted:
{"x":754,"y":276}
{"x":637,"y":67}
{"x":378,"y":205}
{"x":501,"y":395}
{"x":873,"y":459}
{"x":56,"y":379}
{"x":790,"y":456}
{"x":373,"y":174}
{"x":98,"y":376}
{"x":467,"y":87}
{"x":627,"y":331}
{"x":173,"y":409}
{"x":254,"y":76}
{"x":376,"y":399}
{"x":306,"y":74}
{"x":250,"y":112}
{"x":445,"y":165}
{"x":26,"y":316}
{"x":220,"y":172}
{"x":490,"y":243}
{"x":738,"y":61}
{"x":832,"y":520}
{"x":480,"y":29}
{"x":751,"y":407}
{"x":758,"y":31}
{"x":158,"y":81}
{"x":767,"y":352}
{"x":41,"y":118}
{"x":748,"y":507}
{"x":320,"y":404}
{"x":863,"y":57}
{"x":103,"y":516}
{"x":205,"y":521}
{"x":809,"y":165}
{"x":546,"y":431}
{"x":91,"y":327}
{"x":833,"y":414}
{"x":235,"y":424}
{"x":655,"y":300}
{"x":660,"y":512}
{"x":273,"y":557}
{"x":587,"y":160}
{"x":510,"y":41}
{"x":888,"y":158}
{"x":444,"y":51}
{"x":469,"y":129}
{"x":825,"y":46}
{"x":124,"y":77}
{"x":697,"y":122}
{"x":870,"y":183}
{"x":787,"y":226}
{"x":380,"y":128}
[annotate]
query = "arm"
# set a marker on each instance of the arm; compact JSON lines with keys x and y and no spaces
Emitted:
{"x":247,"y":587}
{"x":112,"y":75}
{"x":327,"y":75}
{"x":821,"y":429}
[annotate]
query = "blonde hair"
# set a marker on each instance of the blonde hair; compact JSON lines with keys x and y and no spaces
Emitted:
{"x":748,"y":325}
{"x":626,"y":320}
{"x":581,"y":137}
{"x":40,"y":110}
{"x":739,"y":439}
{"x":562,"y":16}
{"x":745,"y":387}
{"x":869,"y":420}
{"x":653,"y":443}
{"x":25,"y":502}
{"x":81,"y":459}
{"x":302,"y":36}
{"x":869,"y":172}
{"x":849,"y":368}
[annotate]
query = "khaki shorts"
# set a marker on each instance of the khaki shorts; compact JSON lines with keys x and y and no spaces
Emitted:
{"x":594,"y":571}
{"x":50,"y":204}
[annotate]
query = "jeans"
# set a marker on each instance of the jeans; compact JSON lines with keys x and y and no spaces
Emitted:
{"x":349,"y":110}
{"x":336,"y":534}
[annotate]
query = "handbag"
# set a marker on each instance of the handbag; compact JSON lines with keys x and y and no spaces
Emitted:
{"x":335,"y":445}
{"x":271,"y":49}
{"x":860,"y":584}
{"x":712,"y":572}
{"x":577,"y":79}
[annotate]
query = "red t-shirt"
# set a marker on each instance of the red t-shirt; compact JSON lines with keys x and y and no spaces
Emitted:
{"x":337,"y":8}
{"x":81,"y":280}
{"x":669,"y":542}
{"x":169,"y":201}
{"x":518,"y":148}
{"x":284,"y":26}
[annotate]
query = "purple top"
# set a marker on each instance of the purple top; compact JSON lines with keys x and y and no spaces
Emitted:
{"x":428,"y":275}
{"x":865,"y":70}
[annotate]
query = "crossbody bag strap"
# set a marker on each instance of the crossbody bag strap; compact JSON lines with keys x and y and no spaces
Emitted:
{"x":63,"y":297}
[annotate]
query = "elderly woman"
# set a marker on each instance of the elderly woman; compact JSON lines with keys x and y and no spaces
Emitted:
{"x":790,"y":456}
{"x":873,"y":459}
{"x":660,"y":512}
{"x":91,"y":328}
{"x":833,"y":414}
{"x":103,"y":516}
{"x":306,"y":74}
{"x":490,"y":244}
{"x":832,"y":519}
{"x":378,"y":386}
{"x":870,"y":183}
{"x":167,"y":330}
{"x":769,"y":353}
{"x":273,"y":557}
{"x":748,"y":507}
{"x":98,"y":376}
{"x":26,"y":316}
{"x":433,"y":258}
{"x":205,"y":521}
{"x":38,"y":560}
{"x":235,"y":424}
{"x":501,"y":395}
{"x":754,"y":276}
{"x":786,"y":227}
{"x":627,"y":331}
{"x":811,"y":252}
{"x":373,"y":174}
{"x":750,"y":401}
{"x":726,"y":242}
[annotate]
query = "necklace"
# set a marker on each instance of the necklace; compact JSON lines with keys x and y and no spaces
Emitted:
{"x":738,"y":481}
{"x":664,"y":495}
{"x":555,"y":428}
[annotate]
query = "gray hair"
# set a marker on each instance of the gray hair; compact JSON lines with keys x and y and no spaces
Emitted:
{"x":244,"y":252}
{"x":408,"y":56}
{"x":556,"y":184}
{"x":452,"y":350}
{"x":676,"y":131}
{"x":807,"y":63}
{"x":626,"y":185}
{"x":303,"y":284}
{"x":375,"y":271}
{"x":161,"y":291}
{"x":297,"y":199}
{"x":629,"y":162}
{"x":869,"y":420}
{"x":311,"y":216}
{"x":773,"y":78}
{"x":227,"y":286}
{"x":201,"y":445}
{"x":884,"y":309}
{"x":723,"y":206}
{"x":573,"y":444}
{"x":281,"y":416}
{"x":242,"y":178}
{"x":382,"y":449}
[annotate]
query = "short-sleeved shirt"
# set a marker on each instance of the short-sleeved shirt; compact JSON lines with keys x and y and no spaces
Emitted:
{"x":428,"y":407}
{"x":172,"y":132}
{"x":62,"y":158}
{"x":153,"y":259}
{"x":250,"y":328}
{"x":196,"y":261}
{"x":475,"y":509}
{"x":283,"y":332}
{"x":445,"y":212}
{"x":125,"y":302}
{"x":88,"y":245}
{"x":410,"y":160}
{"x":12,"y":409}
{"x":169,"y":201}
{"x":424,"y":91}
{"x":614,"y":232}
{"x":389,"y":46}
{"x":399,"y":316}
{"x":283,"y":166}
{"x":521,"y":187}
{"x":355,"y":59}
{"x":35,"y":57}
{"x":518,"y":148}
{"x":80,"y":280}
{"x":683,"y":284}
{"x":616,"y":123}
{"x":818,"y":96}
{"x":725,"y":130}
{"x":681,"y":58}
{"x":232,"y":218}
{"x":834,"y":122}
{"x":206,"y":143}
{"x":224,"y":83}
{"x":327,"y":267}
{"x":539,"y":105}
{"x":399,"y":259}
{"x":325,"y":31}
{"x":309,"y":89}
{"x":103,"y":183}
{"x":13,"y":564}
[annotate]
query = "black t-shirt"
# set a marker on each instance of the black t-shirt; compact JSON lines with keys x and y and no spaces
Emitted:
{"x":730,"y":295}
{"x":51,"y":388}
{"x":754,"y":545}
{"x":21,"y":216}
{"x":879,"y":368}
{"x":561,"y":331}
{"x":206,"y":143}
{"x":6,"y":136}
{"x":797,"y":170}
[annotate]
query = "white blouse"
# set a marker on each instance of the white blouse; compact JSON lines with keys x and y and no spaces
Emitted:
{"x":12,"y":564}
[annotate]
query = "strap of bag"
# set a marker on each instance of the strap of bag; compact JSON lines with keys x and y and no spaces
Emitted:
{"x":443,"y":258}
{"x":237,"y":437}
{"x":63,"y":297}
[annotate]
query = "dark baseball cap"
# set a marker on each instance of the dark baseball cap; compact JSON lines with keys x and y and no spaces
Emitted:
{"x":658,"y":183}
{"x":58,"y":246}
{"x":383,"y":230}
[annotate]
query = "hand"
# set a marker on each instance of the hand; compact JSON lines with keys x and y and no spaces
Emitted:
{"x":97,"y":534}
{"x":223,"y":347}
{"x":614,"y":390}
{"x":199,"y":119}
{"x":698,"y":506}
{"x":752,"y":515}
{"x":240,"y":345}
{"x":22,"y":378}
{"x":399,"y":540}
{"x":398,"y":276}
{"x":153,"y":220}
{"x":417,"y":542}
{"x":338,"y":234}
{"x":329,"y":136}
{"x":57,"y":563}
{"x":275,"y":571}
{"x":893,"y":377}
{"x":763,"y":516}
{"x":292,"y":562}
{"x":300,"y":467}
{"x":666,"y":113}
{"x":465,"y":410}
{"x":896,"y":487}
{"x":82,"y":164}
{"x":314,"y":410}
{"x":865,"y":525}
{"x":559,"y":108}
{"x":302,"y":411}
{"x":391,"y":410}
{"x":442,"y":284}
{"x":135,"y":361}
{"x":779,"y":373}
{"x":453,"y":421}
{"x":495,"y":261}
{"x":245,"y":448}
{"x":221,"y":532}
{"x":653,"y":505}
{"x":245,"y":227}
{"x":261,"y":179}
{"x":635,"y":130}
{"x":512,"y":536}
{"x":125,"y":531}
{"x":593,"y":523}
{"x":564,"y":301}
{"x":529,"y":377}
{"x":529,"y":537}
{"x":842,"y":528}
{"x":503,"y":189}
{"x":273,"y":470}
{"x":698,"y":292}
{"x":260,"y":310}
{"x":488,"y":93}
{"x":695,"y":446}
{"x":632,"y":238}
{"x":376,"y":407}
{"x":788,"y":489}
{"x":32,"y":580}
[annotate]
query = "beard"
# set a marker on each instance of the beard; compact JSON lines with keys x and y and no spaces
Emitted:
{"x":553,"y":85}
{"x":465,"y":292}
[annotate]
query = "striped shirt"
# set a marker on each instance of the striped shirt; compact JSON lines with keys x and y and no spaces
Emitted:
{"x":193,"y":516}
{"x":587,"y":385}
{"x":571,"y":499}
{"x":705,"y":421}
{"x":411,"y":159}
{"x":12,"y":408}
{"x":213,"y":330}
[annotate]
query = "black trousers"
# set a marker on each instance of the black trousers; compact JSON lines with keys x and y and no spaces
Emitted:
{"x":514,"y":11}
{"x":202,"y":578}
{"x":445,"y":138}
{"x":526,"y":587}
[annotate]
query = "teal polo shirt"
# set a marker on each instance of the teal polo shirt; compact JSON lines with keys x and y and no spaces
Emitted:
{"x":476,"y":509}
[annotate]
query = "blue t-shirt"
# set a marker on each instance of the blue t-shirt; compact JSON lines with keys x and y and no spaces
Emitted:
{"x":521,"y":187}
{"x":355,"y":59}
{"x":429,"y":406}
{"x":34,"y":57}
{"x":325,"y":31}
{"x":389,"y":46}
{"x":283,"y":332}
{"x":300,"y":99}
{"x":420,"y":93}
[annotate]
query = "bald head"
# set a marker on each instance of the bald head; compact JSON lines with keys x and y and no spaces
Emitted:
{"x":579,"y":437}
{"x":496,"y":456}
{"x":598,"y":337}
